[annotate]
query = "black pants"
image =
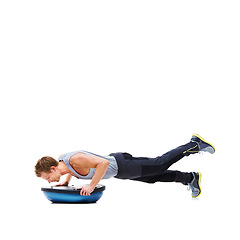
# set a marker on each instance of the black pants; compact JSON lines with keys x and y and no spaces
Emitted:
{"x":153,"y":170}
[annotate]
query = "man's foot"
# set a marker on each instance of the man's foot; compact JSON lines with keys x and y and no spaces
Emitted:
{"x":194,"y":185}
{"x":203,"y":145}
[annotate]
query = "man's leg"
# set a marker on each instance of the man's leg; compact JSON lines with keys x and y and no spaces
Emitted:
{"x":130,"y":167}
{"x":156,"y":166}
{"x":168,"y":176}
{"x":160,"y":164}
{"x":193,"y":180}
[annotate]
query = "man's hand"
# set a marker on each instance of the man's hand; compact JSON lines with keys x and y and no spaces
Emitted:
{"x":65,"y":183}
{"x":86,"y":190}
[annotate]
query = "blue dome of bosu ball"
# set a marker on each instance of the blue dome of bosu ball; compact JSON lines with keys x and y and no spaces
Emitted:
{"x":71,"y":194}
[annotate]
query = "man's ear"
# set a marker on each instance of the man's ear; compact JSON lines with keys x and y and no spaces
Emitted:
{"x":53,"y":168}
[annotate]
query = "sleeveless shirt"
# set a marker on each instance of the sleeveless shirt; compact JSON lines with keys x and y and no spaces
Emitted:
{"x":111,"y":171}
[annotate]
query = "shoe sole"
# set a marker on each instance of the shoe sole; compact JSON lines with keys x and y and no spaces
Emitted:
{"x":199,"y":184}
{"x":196,"y":135}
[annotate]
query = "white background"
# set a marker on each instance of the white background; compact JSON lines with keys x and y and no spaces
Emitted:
{"x":108,"y":76}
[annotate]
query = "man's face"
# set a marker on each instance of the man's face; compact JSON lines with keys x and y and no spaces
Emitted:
{"x":53,"y":176}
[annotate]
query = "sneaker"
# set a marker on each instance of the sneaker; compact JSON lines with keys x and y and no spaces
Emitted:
{"x":203,"y":145}
{"x":194,"y":185}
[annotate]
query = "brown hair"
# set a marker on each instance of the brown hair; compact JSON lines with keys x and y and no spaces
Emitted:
{"x":44,"y":165}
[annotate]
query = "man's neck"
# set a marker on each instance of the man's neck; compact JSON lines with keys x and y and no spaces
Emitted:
{"x":63,"y":168}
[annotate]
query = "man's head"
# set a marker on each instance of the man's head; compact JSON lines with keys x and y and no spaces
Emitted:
{"x":47,"y":168}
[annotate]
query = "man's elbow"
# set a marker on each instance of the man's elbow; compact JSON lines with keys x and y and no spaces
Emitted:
{"x":107,"y":163}
{"x":103,"y":163}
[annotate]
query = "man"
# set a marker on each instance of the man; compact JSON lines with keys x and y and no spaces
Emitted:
{"x":86,"y":165}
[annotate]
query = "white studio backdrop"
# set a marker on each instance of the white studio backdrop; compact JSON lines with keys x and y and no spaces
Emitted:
{"x":109,"y":76}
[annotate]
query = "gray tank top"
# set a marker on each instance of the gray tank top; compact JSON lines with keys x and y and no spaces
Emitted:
{"x":111,"y":171}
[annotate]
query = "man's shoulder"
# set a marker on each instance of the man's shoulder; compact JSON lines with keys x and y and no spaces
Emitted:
{"x":77,"y":156}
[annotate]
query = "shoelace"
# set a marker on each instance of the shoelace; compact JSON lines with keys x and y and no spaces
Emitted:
{"x":195,"y":191}
{"x":190,"y":187}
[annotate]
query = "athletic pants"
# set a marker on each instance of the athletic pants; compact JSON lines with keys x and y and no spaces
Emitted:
{"x":153,"y":170}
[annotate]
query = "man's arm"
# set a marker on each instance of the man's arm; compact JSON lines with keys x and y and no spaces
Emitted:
{"x":84,"y":161}
{"x":67,"y":179}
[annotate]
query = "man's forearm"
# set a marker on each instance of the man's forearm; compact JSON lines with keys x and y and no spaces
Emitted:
{"x":68,"y":178}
